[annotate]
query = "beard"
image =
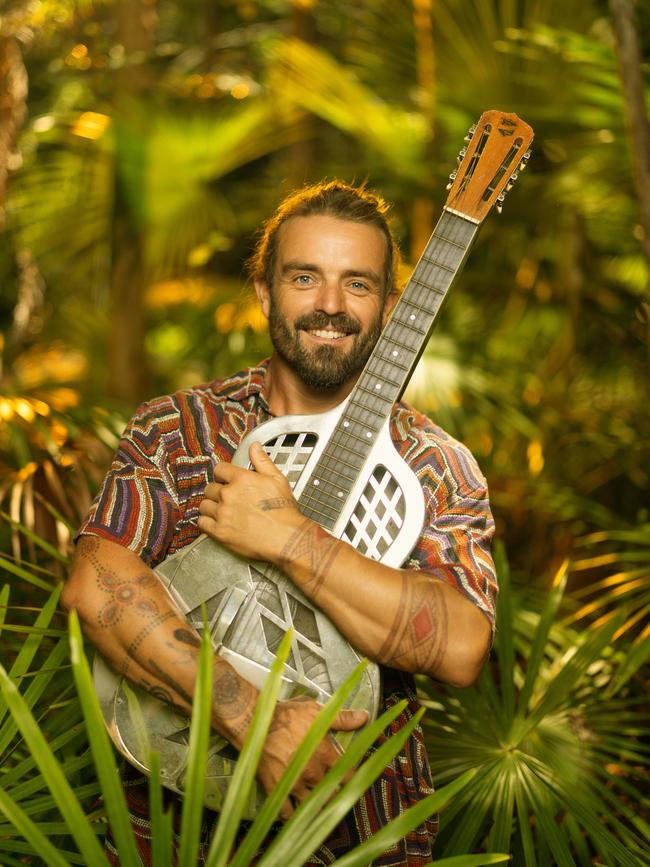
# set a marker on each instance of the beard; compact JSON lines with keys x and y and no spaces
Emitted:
{"x":323,"y":367}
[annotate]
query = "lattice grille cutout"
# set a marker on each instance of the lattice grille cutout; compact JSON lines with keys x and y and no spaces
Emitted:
{"x":290,"y":452}
{"x":378,"y":516}
{"x":195,"y":616}
{"x":278,"y":611}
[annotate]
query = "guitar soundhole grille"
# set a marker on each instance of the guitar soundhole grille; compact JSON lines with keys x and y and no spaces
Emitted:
{"x":378,"y":516}
{"x":290,"y":452}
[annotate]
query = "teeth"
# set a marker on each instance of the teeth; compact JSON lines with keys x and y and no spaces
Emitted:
{"x":328,"y":335}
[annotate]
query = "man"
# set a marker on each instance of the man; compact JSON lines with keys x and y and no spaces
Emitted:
{"x":324,"y":272}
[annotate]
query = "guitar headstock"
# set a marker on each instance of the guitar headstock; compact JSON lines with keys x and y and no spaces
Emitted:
{"x":497,"y":151}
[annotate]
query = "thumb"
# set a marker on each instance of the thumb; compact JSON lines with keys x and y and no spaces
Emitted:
{"x":349,"y":720}
{"x":260,"y":461}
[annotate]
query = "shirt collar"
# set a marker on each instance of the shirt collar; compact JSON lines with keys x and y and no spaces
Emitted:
{"x":250,"y":383}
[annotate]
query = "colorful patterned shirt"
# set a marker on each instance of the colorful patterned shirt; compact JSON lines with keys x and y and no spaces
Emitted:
{"x":149,"y":503}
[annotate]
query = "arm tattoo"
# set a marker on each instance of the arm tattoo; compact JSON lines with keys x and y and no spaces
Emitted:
{"x":137,"y":641}
{"x":169,"y":681}
{"x":419,"y":634}
{"x":187,"y":637}
{"x":314,"y":544}
{"x":124,"y":593}
{"x":232,"y":697}
{"x":276,"y":503}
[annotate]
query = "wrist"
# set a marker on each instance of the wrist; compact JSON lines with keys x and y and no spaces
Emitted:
{"x":233,"y":703}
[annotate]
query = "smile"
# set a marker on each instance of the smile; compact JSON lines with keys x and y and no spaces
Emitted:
{"x":327,"y":335}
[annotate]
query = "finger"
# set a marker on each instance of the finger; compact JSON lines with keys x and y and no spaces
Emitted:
{"x":207,"y":525}
{"x":348,"y":720}
{"x":213,"y":491}
{"x":300,"y":791}
{"x":260,"y":461}
{"x":225,"y":472}
{"x":286,"y":811}
{"x":209,"y":508}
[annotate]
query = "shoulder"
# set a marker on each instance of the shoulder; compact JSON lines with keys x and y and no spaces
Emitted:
{"x":432,"y":453}
{"x":187,"y":405}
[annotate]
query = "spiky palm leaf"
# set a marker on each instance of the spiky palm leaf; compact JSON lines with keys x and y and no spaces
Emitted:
{"x":558,"y":781}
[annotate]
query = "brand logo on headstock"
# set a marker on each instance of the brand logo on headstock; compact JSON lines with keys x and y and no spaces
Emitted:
{"x":506,"y":122}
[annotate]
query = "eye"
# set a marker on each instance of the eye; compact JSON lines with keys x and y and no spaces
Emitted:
{"x":358,"y":287}
{"x":303,"y":279}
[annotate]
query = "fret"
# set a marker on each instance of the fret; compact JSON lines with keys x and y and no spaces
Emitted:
{"x":334,"y":466}
{"x":448,"y":240}
{"x":317,"y":515}
{"x":436,"y":264}
{"x":393,"y":361}
{"x":410,"y":325}
{"x":430,"y":286}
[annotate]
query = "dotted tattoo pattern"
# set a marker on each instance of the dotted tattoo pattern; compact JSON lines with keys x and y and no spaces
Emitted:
{"x":149,"y":628}
{"x":124,"y":593}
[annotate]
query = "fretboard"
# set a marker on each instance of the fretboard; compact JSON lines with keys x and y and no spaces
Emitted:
{"x":387,"y":371}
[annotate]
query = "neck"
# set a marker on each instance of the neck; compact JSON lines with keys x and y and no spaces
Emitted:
{"x":287,"y":394}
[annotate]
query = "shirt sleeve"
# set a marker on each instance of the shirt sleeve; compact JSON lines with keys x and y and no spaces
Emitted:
{"x":458,"y":527}
{"x":137,"y":505}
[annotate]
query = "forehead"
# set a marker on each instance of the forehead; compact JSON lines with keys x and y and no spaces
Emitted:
{"x":323,"y":240}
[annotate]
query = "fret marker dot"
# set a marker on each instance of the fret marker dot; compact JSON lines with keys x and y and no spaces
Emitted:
{"x":346,"y":424}
{"x":412,"y":316}
{"x":378,"y":386}
{"x":339,"y":494}
{"x":369,"y":434}
{"x":395,"y":353}
{"x":316,"y":482}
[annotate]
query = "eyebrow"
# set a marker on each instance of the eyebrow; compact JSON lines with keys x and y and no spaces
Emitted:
{"x":295,"y":265}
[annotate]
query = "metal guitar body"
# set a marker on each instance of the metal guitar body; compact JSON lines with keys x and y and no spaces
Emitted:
{"x":251,"y":605}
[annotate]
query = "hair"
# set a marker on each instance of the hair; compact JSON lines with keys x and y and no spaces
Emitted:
{"x":332,"y":199}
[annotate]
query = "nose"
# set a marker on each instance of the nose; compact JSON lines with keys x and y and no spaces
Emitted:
{"x":331,"y":297}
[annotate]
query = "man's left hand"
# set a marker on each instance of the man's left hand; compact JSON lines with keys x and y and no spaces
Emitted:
{"x":250,"y":512}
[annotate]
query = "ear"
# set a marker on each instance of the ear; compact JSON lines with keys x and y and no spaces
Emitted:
{"x":389,"y":303}
{"x":263,"y":296}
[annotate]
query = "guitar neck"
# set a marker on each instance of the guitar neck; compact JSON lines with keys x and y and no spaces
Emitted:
{"x":388,"y":370}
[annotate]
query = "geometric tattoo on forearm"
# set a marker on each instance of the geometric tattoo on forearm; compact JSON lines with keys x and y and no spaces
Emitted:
{"x":418,"y":638}
{"x":319,"y":548}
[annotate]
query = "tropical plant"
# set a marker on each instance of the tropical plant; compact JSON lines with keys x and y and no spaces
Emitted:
{"x":555,"y":726}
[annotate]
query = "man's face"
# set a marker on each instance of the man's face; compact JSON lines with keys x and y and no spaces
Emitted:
{"x":327,"y":305}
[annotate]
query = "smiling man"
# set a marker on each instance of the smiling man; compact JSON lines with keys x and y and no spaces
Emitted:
{"x":324,"y":272}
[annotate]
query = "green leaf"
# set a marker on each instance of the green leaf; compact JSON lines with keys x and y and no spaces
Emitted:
{"x":398,"y":828}
{"x":102,"y":750}
{"x":317,"y":731}
{"x":194,"y":785}
{"x":66,"y":800}
{"x":243,"y":778}
{"x":546,"y":619}
{"x":38,"y":842}
{"x":161,"y":822}
{"x":317,"y":815}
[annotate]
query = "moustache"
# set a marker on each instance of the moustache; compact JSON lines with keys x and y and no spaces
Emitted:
{"x":338,"y":322}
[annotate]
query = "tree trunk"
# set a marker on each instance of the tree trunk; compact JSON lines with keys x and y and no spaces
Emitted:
{"x":128,"y":368}
{"x":13,"y":106}
{"x":629,"y":60}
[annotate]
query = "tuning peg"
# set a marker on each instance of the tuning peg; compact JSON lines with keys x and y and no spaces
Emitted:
{"x":471,"y":132}
{"x":524,"y":161}
{"x":499,"y":202}
{"x":452,"y":178}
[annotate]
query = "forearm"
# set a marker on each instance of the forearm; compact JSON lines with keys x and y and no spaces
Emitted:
{"x":129,"y":616}
{"x":402,"y":618}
